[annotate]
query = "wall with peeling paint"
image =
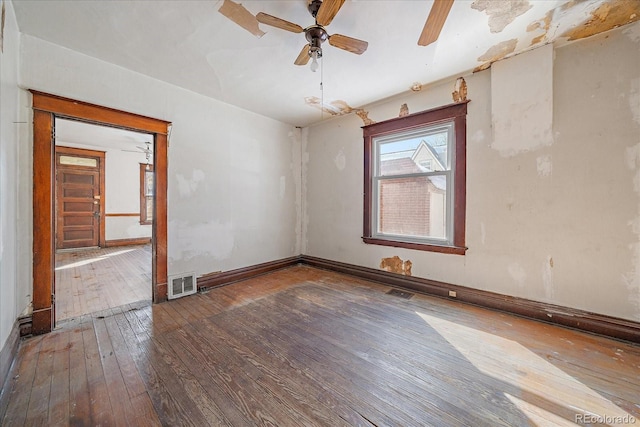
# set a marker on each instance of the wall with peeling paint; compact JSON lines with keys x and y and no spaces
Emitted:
{"x":554,"y":220}
{"x":232,"y":180}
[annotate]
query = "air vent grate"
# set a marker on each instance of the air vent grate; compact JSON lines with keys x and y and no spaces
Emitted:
{"x":182,"y":285}
{"x":400,"y":294}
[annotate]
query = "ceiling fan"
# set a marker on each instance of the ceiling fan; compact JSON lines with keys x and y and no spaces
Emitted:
{"x":435,"y":21}
{"x":323,"y":12}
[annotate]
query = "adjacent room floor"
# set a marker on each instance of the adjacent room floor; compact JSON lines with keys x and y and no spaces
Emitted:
{"x":96,"y":279}
{"x":307,"y":347}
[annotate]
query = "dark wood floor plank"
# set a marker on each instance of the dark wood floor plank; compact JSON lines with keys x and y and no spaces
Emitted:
{"x":22,"y":376}
{"x":192,"y":387}
{"x":304,"y":386}
{"x":60,"y":381}
{"x":79,"y":399}
{"x":268,"y":382}
{"x":166,"y":392}
{"x":38,"y":411}
{"x":254,"y":403}
{"x":132,"y":380}
{"x":100,"y":406}
{"x":312,"y":359}
{"x":117,"y":390}
{"x":352,"y":366}
{"x":209,"y":379}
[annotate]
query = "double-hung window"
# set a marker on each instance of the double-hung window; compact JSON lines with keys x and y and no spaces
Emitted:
{"x":147,"y":189}
{"x":415,"y":181}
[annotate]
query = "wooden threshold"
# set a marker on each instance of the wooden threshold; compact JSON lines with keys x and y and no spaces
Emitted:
{"x":127,"y":242}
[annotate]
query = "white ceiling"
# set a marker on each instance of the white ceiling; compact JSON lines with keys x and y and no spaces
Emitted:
{"x":71,"y":132}
{"x":190,"y":44}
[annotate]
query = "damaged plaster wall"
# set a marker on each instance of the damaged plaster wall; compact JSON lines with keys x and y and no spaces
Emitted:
{"x":522,"y":102}
{"x":231,"y":183}
{"x":556,"y":220}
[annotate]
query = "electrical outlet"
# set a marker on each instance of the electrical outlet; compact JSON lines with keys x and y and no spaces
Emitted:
{"x":453,"y":294}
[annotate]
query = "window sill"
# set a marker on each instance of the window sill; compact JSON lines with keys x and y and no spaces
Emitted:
{"x":457,"y":250}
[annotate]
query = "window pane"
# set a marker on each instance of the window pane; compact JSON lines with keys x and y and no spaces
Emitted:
{"x":148,"y":183}
{"x":149,"y":208}
{"x":426,"y":151}
{"x":413,"y":207}
{"x":78,"y":161}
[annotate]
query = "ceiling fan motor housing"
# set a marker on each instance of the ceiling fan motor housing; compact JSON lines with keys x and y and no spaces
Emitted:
{"x":315,"y":34}
{"x":314,"y":6}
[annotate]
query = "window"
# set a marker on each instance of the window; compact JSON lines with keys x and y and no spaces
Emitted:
{"x":415,"y":181}
{"x":146,"y":193}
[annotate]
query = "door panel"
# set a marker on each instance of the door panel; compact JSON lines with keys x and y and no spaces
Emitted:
{"x":77,"y":200}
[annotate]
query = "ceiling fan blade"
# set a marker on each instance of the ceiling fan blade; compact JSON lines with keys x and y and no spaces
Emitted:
{"x":348,"y":43}
{"x":241,"y":16}
{"x":328,"y":11}
{"x":435,"y":21}
{"x":303,"y":58}
{"x":278,"y":23}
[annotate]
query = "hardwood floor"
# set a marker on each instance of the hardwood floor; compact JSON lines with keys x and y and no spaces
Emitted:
{"x":91,"y":280}
{"x":307,"y":347}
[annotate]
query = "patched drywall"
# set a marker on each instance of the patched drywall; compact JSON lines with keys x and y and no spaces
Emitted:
{"x":562,"y":23}
{"x":496,"y":53}
{"x":396,"y":265}
{"x":607,"y":16}
{"x":501,"y":13}
{"x":552,"y":218}
{"x":188,"y":186}
{"x":334,"y":108}
{"x":522,"y":102}
{"x":544,"y":165}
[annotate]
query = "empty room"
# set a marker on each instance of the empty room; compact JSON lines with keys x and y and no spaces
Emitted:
{"x":320,"y":213}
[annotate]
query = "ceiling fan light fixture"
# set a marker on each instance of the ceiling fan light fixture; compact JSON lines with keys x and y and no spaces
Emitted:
{"x":314,"y":59}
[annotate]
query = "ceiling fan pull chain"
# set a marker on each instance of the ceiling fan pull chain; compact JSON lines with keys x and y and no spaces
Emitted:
{"x":322,"y":89}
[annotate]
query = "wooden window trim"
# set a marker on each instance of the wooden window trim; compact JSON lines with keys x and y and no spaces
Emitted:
{"x":143,"y":198}
{"x":452,"y":112}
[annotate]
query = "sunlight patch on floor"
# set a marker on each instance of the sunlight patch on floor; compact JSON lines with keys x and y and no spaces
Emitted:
{"x":92,"y":260}
{"x":537,"y":379}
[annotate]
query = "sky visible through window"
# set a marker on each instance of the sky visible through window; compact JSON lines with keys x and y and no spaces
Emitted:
{"x":437,"y":141}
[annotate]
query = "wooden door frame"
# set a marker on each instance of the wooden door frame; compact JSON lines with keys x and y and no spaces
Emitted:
{"x":83,"y":152}
{"x":46,"y":108}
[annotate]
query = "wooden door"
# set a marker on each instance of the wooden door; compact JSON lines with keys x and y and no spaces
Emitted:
{"x":79,"y":178}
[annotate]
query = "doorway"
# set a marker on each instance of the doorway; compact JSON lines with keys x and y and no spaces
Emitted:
{"x":80,"y":185}
{"x":46,"y":108}
{"x":103,"y":226}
